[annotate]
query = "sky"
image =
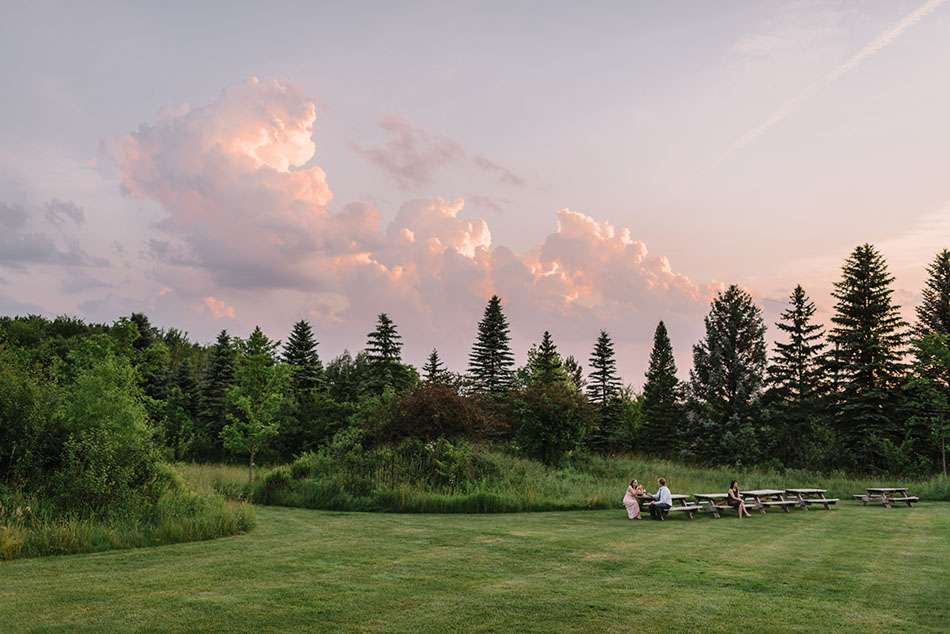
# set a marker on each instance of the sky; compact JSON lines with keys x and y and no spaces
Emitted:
{"x":598,"y":166}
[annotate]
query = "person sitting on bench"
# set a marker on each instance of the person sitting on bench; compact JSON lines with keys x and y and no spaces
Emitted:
{"x":662,"y":500}
{"x":735,"y":500}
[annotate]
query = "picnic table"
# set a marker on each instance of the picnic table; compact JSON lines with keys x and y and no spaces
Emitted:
{"x":763,"y":498}
{"x":684,"y":505}
{"x":715,"y":502}
{"x":815,"y":496}
{"x":886,"y":496}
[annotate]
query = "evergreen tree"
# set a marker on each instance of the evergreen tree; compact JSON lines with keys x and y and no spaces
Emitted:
{"x":383,"y":351}
{"x":300,"y":351}
{"x":218,"y":378}
{"x":434,"y":372}
{"x":727,"y":377}
{"x":575,"y":372}
{"x":490,"y":362}
{"x":662,"y":407}
{"x":870,"y":341}
{"x":796,"y":378}
{"x":933,"y":314}
{"x":603,"y":391}
{"x":546,"y":365}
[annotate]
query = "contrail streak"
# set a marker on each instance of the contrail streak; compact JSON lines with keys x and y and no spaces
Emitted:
{"x":876,"y":46}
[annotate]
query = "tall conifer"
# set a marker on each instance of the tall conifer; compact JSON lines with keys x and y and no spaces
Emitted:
{"x":662,"y":403}
{"x":870,"y":340}
{"x":218,"y":377}
{"x":490,"y":363}
{"x":384,"y":355}
{"x":300,"y":351}
{"x":933,"y":314}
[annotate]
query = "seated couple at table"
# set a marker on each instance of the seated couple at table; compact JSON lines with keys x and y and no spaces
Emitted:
{"x":662,"y":500}
{"x":735,"y":500}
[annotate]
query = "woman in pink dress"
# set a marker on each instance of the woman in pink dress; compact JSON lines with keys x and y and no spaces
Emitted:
{"x":630,"y":500}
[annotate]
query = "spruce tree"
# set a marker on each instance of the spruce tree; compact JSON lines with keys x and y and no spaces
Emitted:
{"x":870,"y":340}
{"x":727,"y":377}
{"x":434,"y":372}
{"x":603,"y":391}
{"x":662,"y":406}
{"x":218,"y":377}
{"x":933,"y":314}
{"x":796,"y":377}
{"x":383,"y":352}
{"x":490,"y":362}
{"x":546,"y":365}
{"x":575,"y":372}
{"x":300,"y":351}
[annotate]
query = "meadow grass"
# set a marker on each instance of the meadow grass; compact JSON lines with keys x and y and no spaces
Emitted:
{"x":515,"y":484}
{"x":35,"y":529}
{"x":864,"y":569}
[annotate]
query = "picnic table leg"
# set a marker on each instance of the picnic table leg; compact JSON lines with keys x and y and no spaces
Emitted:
{"x":801,"y":502}
{"x":781,"y":498}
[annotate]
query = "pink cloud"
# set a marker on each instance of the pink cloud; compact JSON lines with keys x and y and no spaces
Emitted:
{"x":248,"y":213}
{"x":218,"y":309}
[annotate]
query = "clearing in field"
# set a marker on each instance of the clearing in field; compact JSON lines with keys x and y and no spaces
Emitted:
{"x":867,"y":569}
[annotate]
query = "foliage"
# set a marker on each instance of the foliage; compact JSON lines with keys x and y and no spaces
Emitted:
{"x":663,"y":413}
{"x":553,"y":420}
{"x":433,"y":411}
{"x":933,"y":314}
{"x":727,"y":377}
{"x":300,"y":352}
{"x":869,"y":343}
{"x":603,"y":391}
{"x":491,"y":361}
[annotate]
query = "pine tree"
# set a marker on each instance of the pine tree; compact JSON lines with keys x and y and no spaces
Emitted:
{"x":603,"y":391}
{"x":662,"y":406}
{"x":490,"y":362}
{"x":796,"y":377}
{"x":383,"y":351}
{"x":933,"y":314}
{"x":217,"y":379}
{"x":434,"y":372}
{"x":300,"y":351}
{"x":727,"y":377}
{"x":870,"y":339}
{"x":546,"y":365}
{"x":575,"y":372}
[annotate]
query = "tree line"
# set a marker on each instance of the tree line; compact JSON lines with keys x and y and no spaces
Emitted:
{"x":868,"y":392}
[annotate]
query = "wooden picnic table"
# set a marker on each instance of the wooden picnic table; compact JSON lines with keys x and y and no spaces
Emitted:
{"x":887,"y":496}
{"x":804,"y":501}
{"x":763,"y":498}
{"x":684,"y":505}
{"x":715,"y":502}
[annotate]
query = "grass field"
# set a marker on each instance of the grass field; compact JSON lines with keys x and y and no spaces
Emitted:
{"x":866,"y":569}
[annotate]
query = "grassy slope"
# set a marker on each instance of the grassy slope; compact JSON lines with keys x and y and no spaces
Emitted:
{"x":808,"y":571}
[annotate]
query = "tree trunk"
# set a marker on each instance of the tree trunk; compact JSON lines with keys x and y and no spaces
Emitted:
{"x":943,"y":448}
{"x":250,"y":468}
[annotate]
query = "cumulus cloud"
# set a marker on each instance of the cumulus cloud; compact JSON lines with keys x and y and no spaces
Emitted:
{"x":58,"y":212}
{"x":411,"y":155}
{"x":248,"y":217}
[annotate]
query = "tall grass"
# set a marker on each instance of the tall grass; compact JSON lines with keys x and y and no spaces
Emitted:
{"x":501,"y":482}
{"x":29,"y":527}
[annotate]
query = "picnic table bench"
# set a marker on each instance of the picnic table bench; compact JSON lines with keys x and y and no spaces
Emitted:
{"x":685,"y":506}
{"x":886,"y":496}
{"x":818,"y":497}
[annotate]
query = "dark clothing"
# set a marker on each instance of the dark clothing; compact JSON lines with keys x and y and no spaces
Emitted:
{"x":733,"y":503}
{"x":657,"y":508}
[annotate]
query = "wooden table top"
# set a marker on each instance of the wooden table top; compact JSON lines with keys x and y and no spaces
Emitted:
{"x":675,"y":496}
{"x":711,"y":496}
{"x":886,"y":489}
{"x":806,"y":490}
{"x":762,"y":492}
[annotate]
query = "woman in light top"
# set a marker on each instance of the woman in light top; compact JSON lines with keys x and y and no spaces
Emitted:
{"x":735,"y":500}
{"x":630,"y":500}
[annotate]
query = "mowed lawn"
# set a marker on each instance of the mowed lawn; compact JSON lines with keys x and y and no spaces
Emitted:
{"x":866,"y":569}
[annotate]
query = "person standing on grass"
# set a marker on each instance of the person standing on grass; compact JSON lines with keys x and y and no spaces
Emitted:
{"x":735,"y":500}
{"x":630,"y":500}
{"x":662,"y":500}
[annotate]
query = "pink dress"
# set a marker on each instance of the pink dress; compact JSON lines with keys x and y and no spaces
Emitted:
{"x":633,"y":506}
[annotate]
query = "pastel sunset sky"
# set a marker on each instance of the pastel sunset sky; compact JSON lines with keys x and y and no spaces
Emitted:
{"x":597,"y":165}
